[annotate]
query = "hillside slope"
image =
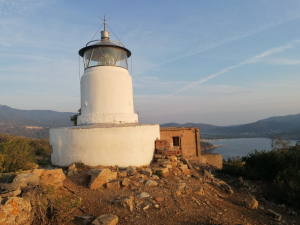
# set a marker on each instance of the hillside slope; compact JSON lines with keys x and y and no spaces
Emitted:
{"x":41,"y":118}
{"x":287,"y":126}
{"x":31,"y":123}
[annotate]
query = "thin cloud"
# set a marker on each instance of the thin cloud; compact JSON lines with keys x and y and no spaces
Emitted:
{"x":284,"y":62}
{"x":252,"y":60}
{"x":4,"y":44}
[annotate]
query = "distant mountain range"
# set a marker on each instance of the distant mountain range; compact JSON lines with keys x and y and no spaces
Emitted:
{"x":36,"y":123}
{"x":31,"y":123}
{"x":285,"y":126}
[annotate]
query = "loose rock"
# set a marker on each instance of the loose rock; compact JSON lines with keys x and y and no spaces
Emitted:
{"x":131,"y":170}
{"x":125,"y":182}
{"x":106,"y":219}
{"x":125,"y":202}
{"x":147,"y":171}
{"x":275,"y":215}
{"x":101,"y":177}
{"x":113,"y":185}
{"x":122,"y":174}
{"x":11,"y":193}
{"x":151,"y":183}
{"x":226,"y":187}
{"x":144,"y":195}
{"x":53,"y":177}
{"x":28,"y":178}
{"x":72,"y":167}
{"x":15,"y":211}
{"x":180,"y":186}
{"x":13,"y":186}
{"x":200,"y":191}
{"x":251,"y":203}
{"x":154,"y":177}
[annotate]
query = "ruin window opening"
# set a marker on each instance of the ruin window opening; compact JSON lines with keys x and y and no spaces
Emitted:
{"x":176,"y":141}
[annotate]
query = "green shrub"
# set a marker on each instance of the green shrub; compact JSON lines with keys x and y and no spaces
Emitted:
{"x":159,"y":173}
{"x":21,"y":153}
{"x":51,"y":206}
{"x":80,"y":165}
{"x":280,"y":166}
{"x":16,"y":154}
{"x":233,"y":166}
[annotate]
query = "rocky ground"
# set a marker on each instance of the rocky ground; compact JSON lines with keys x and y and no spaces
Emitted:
{"x":171,"y":191}
{"x":180,"y":197}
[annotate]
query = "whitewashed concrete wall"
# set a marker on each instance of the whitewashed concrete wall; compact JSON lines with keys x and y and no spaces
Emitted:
{"x":106,"y":96}
{"x":107,"y":145}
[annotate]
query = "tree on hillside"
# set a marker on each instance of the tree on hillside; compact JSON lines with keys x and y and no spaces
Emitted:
{"x":74,"y":118}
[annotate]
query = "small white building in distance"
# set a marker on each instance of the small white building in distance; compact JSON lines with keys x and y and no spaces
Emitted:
{"x":107,"y":131}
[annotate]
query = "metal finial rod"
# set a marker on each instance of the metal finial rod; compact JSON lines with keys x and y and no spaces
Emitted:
{"x":104,"y":21}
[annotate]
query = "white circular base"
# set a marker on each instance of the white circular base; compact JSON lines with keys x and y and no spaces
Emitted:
{"x":106,"y":144}
{"x":115,"y":118}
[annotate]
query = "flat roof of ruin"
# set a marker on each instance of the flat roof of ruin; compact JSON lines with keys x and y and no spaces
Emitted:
{"x":178,"y":128}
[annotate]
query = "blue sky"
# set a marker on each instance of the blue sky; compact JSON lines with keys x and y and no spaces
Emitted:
{"x":215,"y":62}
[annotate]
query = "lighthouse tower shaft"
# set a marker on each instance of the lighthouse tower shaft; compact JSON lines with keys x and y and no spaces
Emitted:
{"x":106,"y":86}
{"x":106,"y":96}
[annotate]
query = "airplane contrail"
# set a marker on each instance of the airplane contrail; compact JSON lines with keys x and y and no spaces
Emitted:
{"x":248,"y":61}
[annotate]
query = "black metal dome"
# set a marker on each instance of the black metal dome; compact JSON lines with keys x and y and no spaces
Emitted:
{"x":104,"y":42}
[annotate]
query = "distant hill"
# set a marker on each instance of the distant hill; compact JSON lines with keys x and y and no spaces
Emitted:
{"x":42,"y":118}
{"x":31,"y":123}
{"x":203,"y":127}
{"x":36,"y":124}
{"x":286,"y":126}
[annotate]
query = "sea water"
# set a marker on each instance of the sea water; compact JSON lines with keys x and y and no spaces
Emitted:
{"x":241,"y":146}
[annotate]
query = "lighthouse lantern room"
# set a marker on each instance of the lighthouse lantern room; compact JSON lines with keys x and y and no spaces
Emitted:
{"x":107,"y":131}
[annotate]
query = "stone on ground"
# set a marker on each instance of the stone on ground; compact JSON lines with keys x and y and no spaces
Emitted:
{"x":125,"y":182}
{"x":144,"y":195}
{"x":159,"y":199}
{"x":147,"y":171}
{"x":99,"y":177}
{"x":113,"y":185}
{"x":131,"y":170}
{"x":226,"y":187}
{"x":10,"y":193}
{"x":200,"y":191}
{"x":251,"y":203}
{"x":125,"y":202}
{"x":122,"y":174}
{"x":72,"y":172}
{"x":154,"y":177}
{"x":164,"y":171}
{"x":208,"y":175}
{"x":151,"y":183}
{"x":54,"y":177}
{"x":72,"y":167}
{"x":28,"y":178}
{"x":275,"y":215}
{"x":173,"y":158}
{"x":38,"y":172}
{"x":180,"y":186}
{"x":13,"y":186}
{"x":15,"y":211}
{"x":185,"y":170}
{"x":106,"y":219}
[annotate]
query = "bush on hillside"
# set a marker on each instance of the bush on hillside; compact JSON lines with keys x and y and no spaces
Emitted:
{"x":52,"y":206}
{"x":20,"y":153}
{"x":233,"y":166}
{"x":16,"y":154}
{"x":281,"y":165}
{"x":74,"y":117}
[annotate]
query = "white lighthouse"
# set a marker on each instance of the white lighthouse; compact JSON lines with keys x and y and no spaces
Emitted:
{"x":108,"y":132}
